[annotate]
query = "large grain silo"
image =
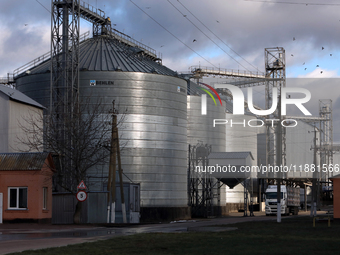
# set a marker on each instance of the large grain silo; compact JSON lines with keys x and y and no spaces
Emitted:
{"x":154,"y":132}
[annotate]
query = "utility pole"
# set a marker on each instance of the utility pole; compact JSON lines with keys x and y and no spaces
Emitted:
{"x":279,"y":159}
{"x":111,"y":184}
{"x":114,"y":156}
{"x":120,"y":171}
{"x":314,"y":182}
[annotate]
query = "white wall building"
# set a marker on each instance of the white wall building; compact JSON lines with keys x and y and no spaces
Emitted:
{"x":16,"y":109}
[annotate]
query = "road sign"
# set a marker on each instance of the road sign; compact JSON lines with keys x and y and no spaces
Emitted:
{"x":81,"y":195}
{"x":81,"y":185}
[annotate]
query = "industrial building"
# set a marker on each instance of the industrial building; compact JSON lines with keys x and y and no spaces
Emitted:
{"x":16,"y":110}
{"x":164,"y":133}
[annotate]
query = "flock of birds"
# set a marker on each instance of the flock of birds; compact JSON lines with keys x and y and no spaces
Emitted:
{"x":322,"y":48}
{"x":194,"y":40}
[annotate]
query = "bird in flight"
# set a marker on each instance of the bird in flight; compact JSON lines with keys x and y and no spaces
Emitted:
{"x":317,"y":65}
{"x":194,"y":40}
{"x":322,"y":48}
{"x":293,"y":38}
{"x":292,"y":55}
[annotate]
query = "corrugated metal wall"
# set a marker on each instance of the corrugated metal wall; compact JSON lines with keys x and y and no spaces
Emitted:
{"x":94,"y":208}
{"x":63,"y":206}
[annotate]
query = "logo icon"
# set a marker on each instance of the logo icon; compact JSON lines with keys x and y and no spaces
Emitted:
{"x":204,"y":98}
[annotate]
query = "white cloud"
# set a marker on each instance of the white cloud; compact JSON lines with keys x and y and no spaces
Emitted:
{"x":321,"y":73}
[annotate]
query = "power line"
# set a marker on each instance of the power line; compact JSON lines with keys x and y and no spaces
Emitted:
{"x":43,"y":6}
{"x":216,"y":35}
{"x":173,"y":35}
{"x":206,"y":35}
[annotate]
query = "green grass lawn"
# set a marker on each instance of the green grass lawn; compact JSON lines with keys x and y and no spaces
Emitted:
{"x":291,"y":236}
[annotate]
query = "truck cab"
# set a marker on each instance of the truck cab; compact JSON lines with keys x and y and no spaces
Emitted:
{"x":290,"y":200}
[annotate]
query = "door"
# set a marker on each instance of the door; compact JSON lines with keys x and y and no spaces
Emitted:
{"x":134,"y":203}
{"x":1,"y":207}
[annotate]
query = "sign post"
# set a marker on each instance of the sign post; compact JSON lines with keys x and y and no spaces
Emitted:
{"x":81,"y":194}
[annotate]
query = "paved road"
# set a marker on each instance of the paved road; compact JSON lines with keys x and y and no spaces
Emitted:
{"x":20,"y":237}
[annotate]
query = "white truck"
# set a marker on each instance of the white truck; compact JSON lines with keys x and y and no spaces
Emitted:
{"x":290,"y":200}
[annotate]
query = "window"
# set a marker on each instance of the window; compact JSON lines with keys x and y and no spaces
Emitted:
{"x":273,"y":195}
{"x":17,"y":198}
{"x":44,"y":198}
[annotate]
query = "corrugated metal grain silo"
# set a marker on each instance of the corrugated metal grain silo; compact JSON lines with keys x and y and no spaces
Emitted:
{"x":154,"y":132}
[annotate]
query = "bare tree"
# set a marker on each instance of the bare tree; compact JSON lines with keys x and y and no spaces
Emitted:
{"x":78,"y":141}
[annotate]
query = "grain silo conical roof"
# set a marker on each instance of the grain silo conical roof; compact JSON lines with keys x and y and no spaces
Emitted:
{"x":104,"y":53}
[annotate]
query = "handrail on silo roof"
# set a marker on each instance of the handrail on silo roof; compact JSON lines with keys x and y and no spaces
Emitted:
{"x":43,"y":58}
{"x":132,"y":42}
{"x":31,"y":64}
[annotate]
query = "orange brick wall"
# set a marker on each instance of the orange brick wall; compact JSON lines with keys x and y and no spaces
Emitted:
{"x":34,"y":181}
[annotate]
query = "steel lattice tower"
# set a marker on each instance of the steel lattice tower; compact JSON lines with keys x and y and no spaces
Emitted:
{"x":64,"y":57}
{"x":65,"y":27}
{"x":275,"y":64}
{"x":64,"y":97}
{"x":326,"y":136}
{"x":201,"y":184}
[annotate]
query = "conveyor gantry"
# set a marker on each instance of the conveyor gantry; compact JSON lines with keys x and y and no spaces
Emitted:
{"x":201,"y":71}
{"x":92,"y":14}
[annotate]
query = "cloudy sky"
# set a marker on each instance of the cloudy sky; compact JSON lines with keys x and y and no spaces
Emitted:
{"x":229,"y":34}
